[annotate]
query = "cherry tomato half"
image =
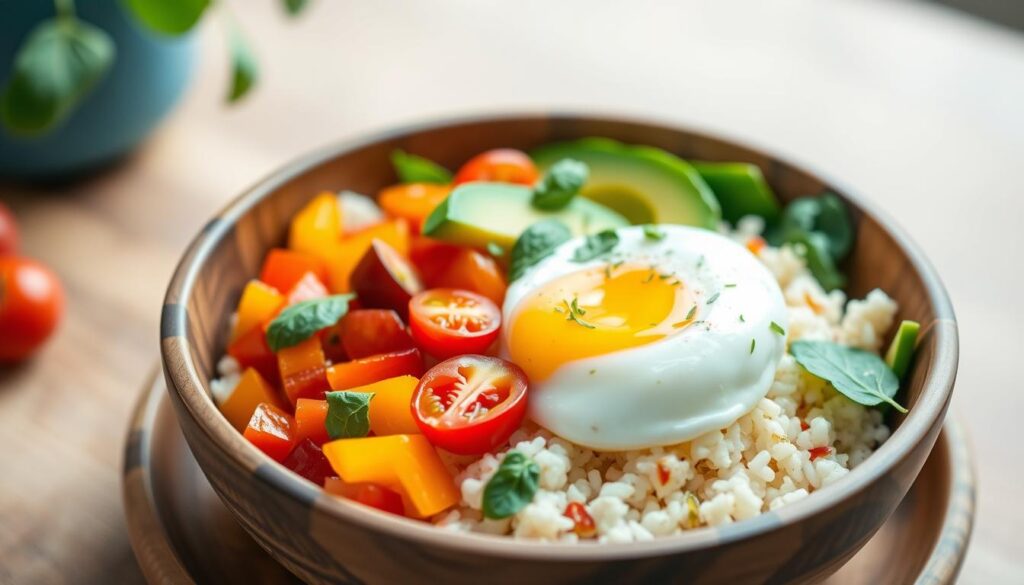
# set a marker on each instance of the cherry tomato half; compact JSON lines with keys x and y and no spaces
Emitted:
{"x":501,"y":165}
{"x":470,"y":404}
{"x":447,"y":322}
{"x":8,"y":232}
{"x":31,"y":303}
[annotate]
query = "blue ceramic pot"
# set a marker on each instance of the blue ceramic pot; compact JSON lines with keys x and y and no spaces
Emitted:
{"x":149,"y":74}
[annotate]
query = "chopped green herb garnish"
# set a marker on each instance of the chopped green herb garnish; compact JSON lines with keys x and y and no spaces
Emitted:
{"x":666,"y":276}
{"x":576,"y":306}
{"x":691,"y":312}
{"x":742,"y":320}
{"x":713,"y":298}
{"x":731,"y":285}
{"x":653,"y":232}
{"x":650,"y":277}
{"x":575,"y":312}
{"x":777,"y":328}
{"x":753,"y":343}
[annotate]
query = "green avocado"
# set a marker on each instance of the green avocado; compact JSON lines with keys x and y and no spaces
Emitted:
{"x":740,"y":188}
{"x":479,"y":214}
{"x":644,"y":184}
{"x":902,"y":347}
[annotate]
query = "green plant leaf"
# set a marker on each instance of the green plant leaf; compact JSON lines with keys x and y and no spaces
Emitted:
{"x":536,"y":243}
{"x":596,"y":245}
{"x":560,"y":184}
{"x":653,"y":232}
{"x":348,"y":414}
{"x":416,"y":169}
{"x":294,"y":7}
{"x":859,"y":375}
{"x":511,"y":487}
{"x":300,"y":321}
{"x":813,"y":248}
{"x":168,"y":17}
{"x":61,"y":60}
{"x":244,"y":71}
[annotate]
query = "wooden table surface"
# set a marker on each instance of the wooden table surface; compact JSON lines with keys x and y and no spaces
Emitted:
{"x":920,"y":109}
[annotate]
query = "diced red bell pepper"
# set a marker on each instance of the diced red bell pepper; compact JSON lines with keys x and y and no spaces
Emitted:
{"x":282,"y":269}
{"x":367,"y":332}
{"x":303,"y":370}
{"x":369,"y":494}
{"x":431,"y":257}
{"x":308,"y":287}
{"x":272,"y":430}
{"x":375,"y":368}
{"x":311,"y":420}
{"x":251,"y":351}
{"x":309,"y":461}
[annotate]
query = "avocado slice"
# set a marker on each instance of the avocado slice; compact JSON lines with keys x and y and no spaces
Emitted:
{"x":644,"y":184}
{"x":902,"y":347}
{"x":740,"y":188}
{"x":479,"y":214}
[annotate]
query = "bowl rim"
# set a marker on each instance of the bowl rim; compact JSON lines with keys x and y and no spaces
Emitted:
{"x":198,"y":402}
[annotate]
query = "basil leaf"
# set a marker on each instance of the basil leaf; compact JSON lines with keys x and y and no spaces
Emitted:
{"x":294,"y":7}
{"x":653,"y":232}
{"x":60,"y":62}
{"x":562,"y":182}
{"x":813,"y":248}
{"x":416,"y":169}
{"x":536,"y":243}
{"x":834,"y":222}
{"x":859,"y":375}
{"x":300,"y":321}
{"x":244,"y":71}
{"x":348,"y":414}
{"x":511,"y":487}
{"x":596,"y":245}
{"x":167,"y":17}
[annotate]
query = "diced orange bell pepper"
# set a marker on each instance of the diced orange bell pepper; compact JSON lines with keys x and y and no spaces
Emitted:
{"x":407,"y":464}
{"x":369,"y":494}
{"x":272,"y":430}
{"x":391,"y":407}
{"x":303,"y":370}
{"x":413,"y":201}
{"x":368,"y":370}
{"x":470,"y":270}
{"x":308,"y":287}
{"x":282,"y":269}
{"x":251,"y":351}
{"x":259,"y":303}
{"x":311,"y":420}
{"x":250,"y":391}
{"x":343,"y":257}
{"x":317,"y":226}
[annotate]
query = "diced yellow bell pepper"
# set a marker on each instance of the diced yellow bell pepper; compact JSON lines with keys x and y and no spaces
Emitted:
{"x":259,"y":303}
{"x":317,"y":227}
{"x":407,"y":464}
{"x":250,"y":391}
{"x":391,"y":407}
{"x":342,"y":257}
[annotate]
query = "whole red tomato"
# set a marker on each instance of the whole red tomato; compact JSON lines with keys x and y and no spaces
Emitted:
{"x":31,"y":304}
{"x":8,"y":232}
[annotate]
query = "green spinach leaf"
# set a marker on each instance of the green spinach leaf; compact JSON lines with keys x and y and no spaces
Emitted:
{"x":596,"y":245}
{"x":416,"y":169}
{"x":560,"y":184}
{"x":348,"y":414}
{"x":536,"y":243}
{"x":300,"y":321}
{"x":859,"y":375}
{"x":511,"y":487}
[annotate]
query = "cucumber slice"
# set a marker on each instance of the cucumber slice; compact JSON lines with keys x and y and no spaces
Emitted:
{"x":902,"y":347}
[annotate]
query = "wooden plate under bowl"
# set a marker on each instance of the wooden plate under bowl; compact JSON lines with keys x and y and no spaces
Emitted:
{"x":182,"y":533}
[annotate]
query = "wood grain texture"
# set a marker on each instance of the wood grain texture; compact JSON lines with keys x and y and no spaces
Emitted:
{"x":918,"y":109}
{"x":186,"y":524}
{"x":325,"y":540}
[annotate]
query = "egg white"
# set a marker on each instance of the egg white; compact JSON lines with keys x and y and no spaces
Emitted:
{"x":702,"y":378}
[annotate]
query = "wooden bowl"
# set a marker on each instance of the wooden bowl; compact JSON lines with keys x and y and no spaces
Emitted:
{"x":325,"y":539}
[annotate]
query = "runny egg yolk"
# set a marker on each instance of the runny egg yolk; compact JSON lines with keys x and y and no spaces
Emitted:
{"x":594,"y":312}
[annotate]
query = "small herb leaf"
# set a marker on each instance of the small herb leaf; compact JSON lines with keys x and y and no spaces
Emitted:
{"x":168,"y":18}
{"x":511,"y":487}
{"x":859,"y":375}
{"x":653,"y":232}
{"x":562,"y":182}
{"x":416,"y":169}
{"x":294,"y":7}
{"x":713,"y":298}
{"x":777,"y":328}
{"x":348,"y":414}
{"x":300,"y":321}
{"x":536,"y":243}
{"x":244,"y":71}
{"x":596,"y":245}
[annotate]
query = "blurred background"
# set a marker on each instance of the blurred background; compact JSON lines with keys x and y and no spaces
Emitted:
{"x":918,"y":105}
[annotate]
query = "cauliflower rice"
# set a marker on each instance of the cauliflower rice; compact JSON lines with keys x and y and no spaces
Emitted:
{"x":800,"y":438}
